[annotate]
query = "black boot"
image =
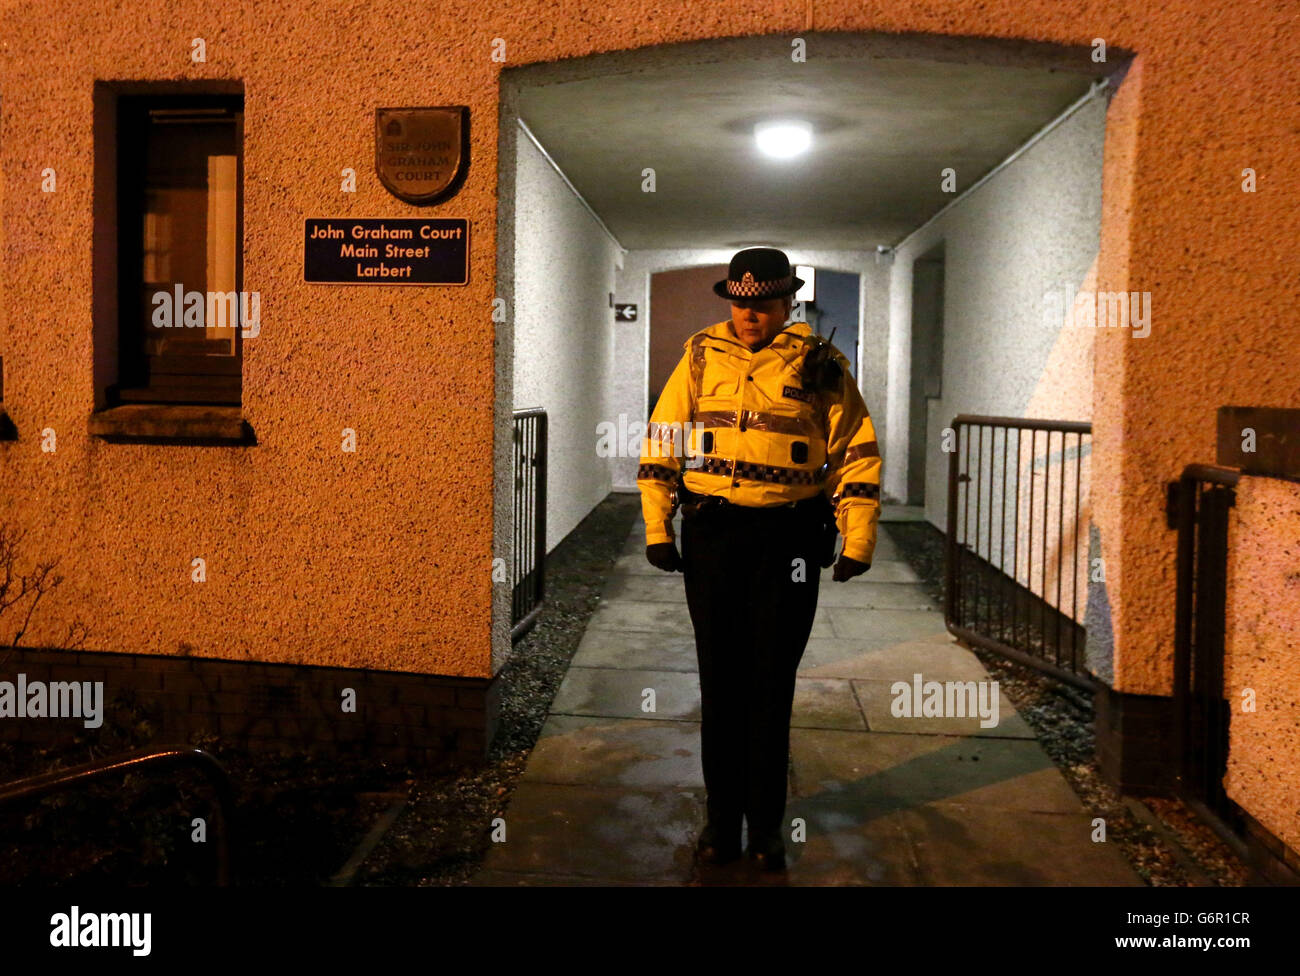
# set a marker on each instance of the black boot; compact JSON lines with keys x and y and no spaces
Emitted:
{"x":767,"y":852}
{"x":718,"y":847}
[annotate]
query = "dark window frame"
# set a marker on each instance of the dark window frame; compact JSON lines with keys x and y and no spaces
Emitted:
{"x":175,"y":379}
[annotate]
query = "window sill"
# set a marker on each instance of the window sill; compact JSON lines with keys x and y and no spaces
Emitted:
{"x":155,"y":423}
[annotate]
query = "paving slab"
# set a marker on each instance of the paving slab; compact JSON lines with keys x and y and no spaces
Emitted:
{"x":636,"y":650}
{"x":638,"y":753}
{"x":886,"y":548}
{"x":881,"y":571}
{"x":618,"y":693}
{"x":821,"y":625}
{"x":599,"y":832}
{"x":660,"y":588}
{"x":900,"y":771}
{"x":877,"y":628}
{"x":840,"y":658}
{"x":659,"y":618}
{"x":869,"y":846}
{"x":670,"y":618}
{"x":877,"y":699}
{"x":635,"y":563}
{"x":826,"y":703}
{"x":977,"y":845}
{"x":635,"y":543}
{"x":874,"y":596}
{"x":636,"y":580}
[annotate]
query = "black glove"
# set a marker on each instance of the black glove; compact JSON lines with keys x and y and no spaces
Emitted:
{"x":848,"y":568}
{"x":663,"y":555}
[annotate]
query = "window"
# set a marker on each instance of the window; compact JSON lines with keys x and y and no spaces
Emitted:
{"x":181,"y":304}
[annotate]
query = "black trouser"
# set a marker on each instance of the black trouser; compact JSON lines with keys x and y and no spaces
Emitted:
{"x":752,"y":619}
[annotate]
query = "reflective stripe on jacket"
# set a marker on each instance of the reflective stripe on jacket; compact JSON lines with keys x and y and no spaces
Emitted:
{"x":741,"y":425}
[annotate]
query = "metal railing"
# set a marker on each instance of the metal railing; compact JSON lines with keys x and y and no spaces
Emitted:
{"x":1198,"y":506}
{"x":1015,"y":575}
{"x":528,"y":566}
{"x":77,"y":776}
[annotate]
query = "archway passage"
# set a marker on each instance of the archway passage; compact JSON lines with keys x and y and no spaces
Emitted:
{"x":623,"y":167}
{"x":941,"y":198}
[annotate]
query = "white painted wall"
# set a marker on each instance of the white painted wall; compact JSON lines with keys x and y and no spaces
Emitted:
{"x":564,"y":266}
{"x":1031,"y":228}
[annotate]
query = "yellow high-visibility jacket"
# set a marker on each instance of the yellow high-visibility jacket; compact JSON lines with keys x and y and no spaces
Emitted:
{"x":739,"y":424}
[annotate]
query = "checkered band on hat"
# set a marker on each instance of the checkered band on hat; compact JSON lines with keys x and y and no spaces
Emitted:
{"x":750,"y":287}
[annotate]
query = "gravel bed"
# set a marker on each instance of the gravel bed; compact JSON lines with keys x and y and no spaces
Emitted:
{"x":443,"y":834}
{"x":1062,"y":719}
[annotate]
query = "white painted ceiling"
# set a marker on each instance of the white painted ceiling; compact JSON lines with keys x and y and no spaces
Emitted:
{"x":883,"y":130}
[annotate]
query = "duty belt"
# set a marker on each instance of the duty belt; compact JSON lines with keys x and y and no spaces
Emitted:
{"x":693,"y":504}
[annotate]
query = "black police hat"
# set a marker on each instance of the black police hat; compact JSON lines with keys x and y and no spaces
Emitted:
{"x":760,"y":273}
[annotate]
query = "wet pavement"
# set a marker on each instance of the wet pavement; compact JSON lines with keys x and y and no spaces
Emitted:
{"x":613,"y":794}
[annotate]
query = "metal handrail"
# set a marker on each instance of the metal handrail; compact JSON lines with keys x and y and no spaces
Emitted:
{"x":1028,"y":423}
{"x":34,"y":786}
{"x":1213,"y":473}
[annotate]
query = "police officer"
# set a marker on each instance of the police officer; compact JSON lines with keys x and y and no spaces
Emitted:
{"x":762,"y":438}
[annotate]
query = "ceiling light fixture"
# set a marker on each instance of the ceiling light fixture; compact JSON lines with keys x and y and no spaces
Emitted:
{"x":784,"y":139}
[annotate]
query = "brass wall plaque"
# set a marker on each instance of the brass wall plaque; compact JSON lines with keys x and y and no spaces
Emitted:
{"x":421,"y":154}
